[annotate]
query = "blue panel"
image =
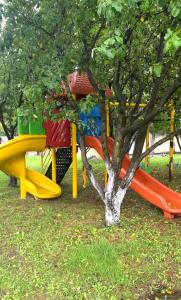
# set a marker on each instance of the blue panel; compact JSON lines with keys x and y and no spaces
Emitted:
{"x":95,"y":112}
{"x":92,"y":122}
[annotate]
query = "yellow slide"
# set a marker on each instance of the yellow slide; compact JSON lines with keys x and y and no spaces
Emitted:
{"x":12,"y":162}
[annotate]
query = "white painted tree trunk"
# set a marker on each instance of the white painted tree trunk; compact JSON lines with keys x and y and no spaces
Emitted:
{"x":113,"y":207}
{"x":112,"y":196}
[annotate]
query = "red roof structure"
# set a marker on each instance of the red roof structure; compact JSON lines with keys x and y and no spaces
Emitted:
{"x":80,"y":85}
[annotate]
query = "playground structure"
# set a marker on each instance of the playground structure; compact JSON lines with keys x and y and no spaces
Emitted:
{"x":61,"y":139}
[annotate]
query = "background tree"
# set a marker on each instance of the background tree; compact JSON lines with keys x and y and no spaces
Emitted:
{"x":13,"y":76}
{"x":131,"y":46}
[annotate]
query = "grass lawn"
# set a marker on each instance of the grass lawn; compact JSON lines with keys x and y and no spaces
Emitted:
{"x":60,"y":249}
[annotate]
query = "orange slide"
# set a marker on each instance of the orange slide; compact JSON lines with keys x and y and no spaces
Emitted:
{"x":145,"y":185}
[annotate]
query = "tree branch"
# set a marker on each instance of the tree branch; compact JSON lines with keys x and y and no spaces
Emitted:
{"x":160,"y":142}
{"x":88,"y":168}
{"x":97,"y":35}
{"x":5,"y":128}
{"x":179,"y":144}
{"x":140,"y":123}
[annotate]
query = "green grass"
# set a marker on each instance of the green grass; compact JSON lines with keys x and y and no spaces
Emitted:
{"x":164,"y":160}
{"x":60,"y":249}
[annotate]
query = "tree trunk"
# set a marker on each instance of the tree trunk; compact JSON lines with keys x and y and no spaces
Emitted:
{"x":12,"y":181}
{"x":113,"y":206}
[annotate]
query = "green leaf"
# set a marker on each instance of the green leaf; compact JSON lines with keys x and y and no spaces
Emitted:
{"x":175,"y":11}
{"x":175,"y":8}
{"x":117,"y":6}
{"x":157,"y":68}
{"x":110,"y":53}
{"x":173,"y":41}
{"x":110,"y":41}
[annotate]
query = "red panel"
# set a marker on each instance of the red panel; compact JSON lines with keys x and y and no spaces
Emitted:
{"x":58,"y":134}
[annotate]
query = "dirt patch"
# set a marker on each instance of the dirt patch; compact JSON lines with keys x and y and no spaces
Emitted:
{"x":163,"y":293}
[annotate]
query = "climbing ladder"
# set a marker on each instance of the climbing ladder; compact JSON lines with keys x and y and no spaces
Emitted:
{"x":63,"y":162}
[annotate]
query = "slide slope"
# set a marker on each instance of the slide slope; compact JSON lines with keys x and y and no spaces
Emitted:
{"x":12,"y":162}
{"x":145,"y":185}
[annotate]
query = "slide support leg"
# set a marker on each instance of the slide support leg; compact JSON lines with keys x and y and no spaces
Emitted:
{"x":168,"y":215}
{"x":74,"y":158}
{"x":23,"y":193}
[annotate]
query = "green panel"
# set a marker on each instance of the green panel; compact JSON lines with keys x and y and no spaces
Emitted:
{"x":36,"y":125}
{"x":23,"y":126}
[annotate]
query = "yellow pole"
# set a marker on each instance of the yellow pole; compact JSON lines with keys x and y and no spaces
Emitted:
{"x":74,"y":158}
{"x":172,"y":128}
{"x":105,"y":177}
{"x":142,"y":105}
{"x":107,"y":134}
{"x":147,"y":159}
{"x":107,"y":120}
{"x":54,"y":169}
{"x":84,"y":178}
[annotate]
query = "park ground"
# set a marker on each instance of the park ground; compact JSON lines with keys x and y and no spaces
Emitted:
{"x":60,"y":249}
